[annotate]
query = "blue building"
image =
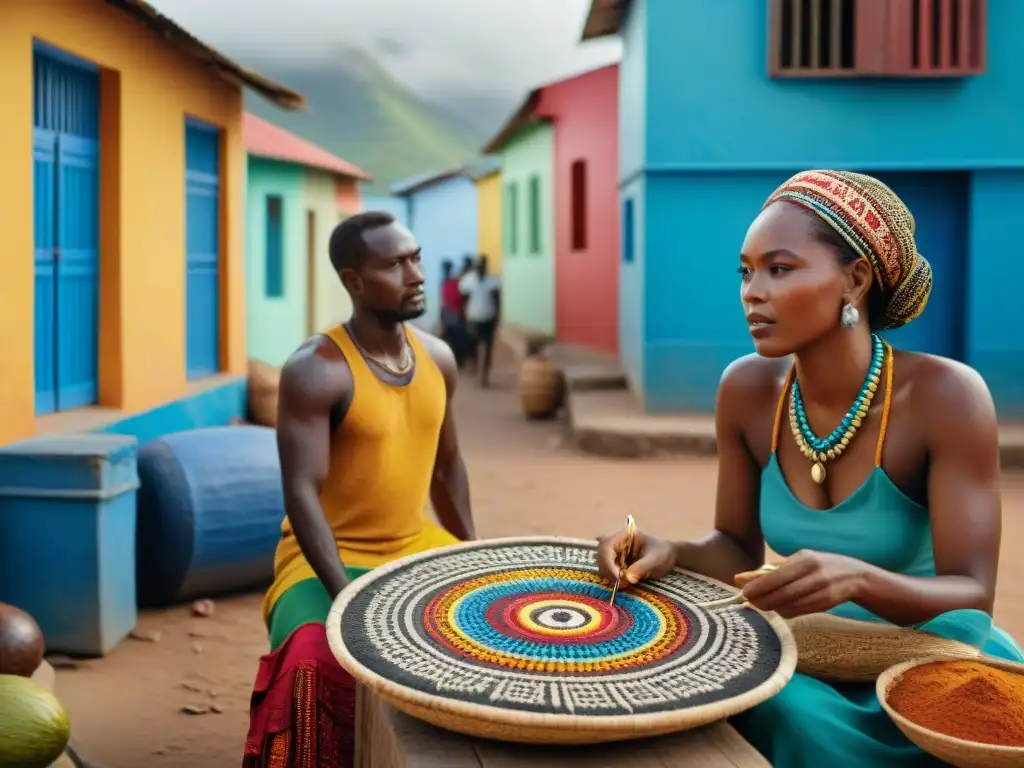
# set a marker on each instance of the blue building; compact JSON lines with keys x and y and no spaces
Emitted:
{"x":722,"y":101}
{"x":441,"y":210}
{"x":396,"y":206}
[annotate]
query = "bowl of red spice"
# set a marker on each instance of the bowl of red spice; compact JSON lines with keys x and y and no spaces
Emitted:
{"x":966,"y":712}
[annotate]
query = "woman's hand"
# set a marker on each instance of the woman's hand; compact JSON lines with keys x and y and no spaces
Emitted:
{"x":807,"y":582}
{"x":650,"y":558}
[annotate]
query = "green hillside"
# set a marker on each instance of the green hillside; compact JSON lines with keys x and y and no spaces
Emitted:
{"x":359,"y":112}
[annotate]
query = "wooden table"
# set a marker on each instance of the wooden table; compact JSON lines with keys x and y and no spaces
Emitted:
{"x":387,"y":738}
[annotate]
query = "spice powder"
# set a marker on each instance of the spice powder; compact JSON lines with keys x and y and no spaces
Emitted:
{"x":967,"y":700}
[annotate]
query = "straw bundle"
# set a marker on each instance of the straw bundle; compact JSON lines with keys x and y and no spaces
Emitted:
{"x":836,"y":649}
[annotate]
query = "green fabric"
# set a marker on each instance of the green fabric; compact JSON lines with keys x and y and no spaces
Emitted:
{"x":305,"y":603}
{"x":810,"y":723}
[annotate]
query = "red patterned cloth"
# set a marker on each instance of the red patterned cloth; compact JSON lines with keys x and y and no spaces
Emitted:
{"x":303,"y":707}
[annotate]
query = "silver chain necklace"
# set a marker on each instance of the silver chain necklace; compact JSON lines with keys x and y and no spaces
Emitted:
{"x":406,"y":363}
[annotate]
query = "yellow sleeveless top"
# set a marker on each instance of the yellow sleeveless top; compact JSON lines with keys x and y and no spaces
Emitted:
{"x":381,"y":464}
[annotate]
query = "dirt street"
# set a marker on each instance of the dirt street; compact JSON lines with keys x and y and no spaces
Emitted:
{"x":126,"y":708}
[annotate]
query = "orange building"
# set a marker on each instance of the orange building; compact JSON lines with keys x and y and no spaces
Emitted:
{"x":124,"y":170}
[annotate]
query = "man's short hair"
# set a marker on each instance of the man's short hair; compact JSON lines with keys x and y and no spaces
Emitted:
{"x":347,"y":248}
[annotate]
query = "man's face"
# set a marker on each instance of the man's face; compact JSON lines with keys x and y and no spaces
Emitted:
{"x":390,"y":282}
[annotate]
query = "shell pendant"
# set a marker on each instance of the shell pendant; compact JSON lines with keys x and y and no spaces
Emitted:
{"x":818,"y":472}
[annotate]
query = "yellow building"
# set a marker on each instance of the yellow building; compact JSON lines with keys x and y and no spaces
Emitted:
{"x":488,"y":197}
{"x":124,"y":175}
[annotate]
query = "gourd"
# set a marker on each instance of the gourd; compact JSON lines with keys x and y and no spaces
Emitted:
{"x":34,"y":726}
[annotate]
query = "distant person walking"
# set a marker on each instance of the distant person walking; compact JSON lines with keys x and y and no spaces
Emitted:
{"x":453,"y":314}
{"x":483,"y":308}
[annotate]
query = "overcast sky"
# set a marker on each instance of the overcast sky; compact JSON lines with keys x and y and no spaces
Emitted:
{"x":441,"y":48}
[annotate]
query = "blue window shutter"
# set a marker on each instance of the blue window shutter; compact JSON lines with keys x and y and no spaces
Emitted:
{"x":45,"y":202}
{"x":274,"y":272}
{"x":66,"y":201}
{"x":202,"y":249}
{"x":628,"y":235}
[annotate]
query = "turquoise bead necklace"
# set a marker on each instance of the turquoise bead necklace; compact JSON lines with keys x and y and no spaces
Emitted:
{"x":822,"y":449}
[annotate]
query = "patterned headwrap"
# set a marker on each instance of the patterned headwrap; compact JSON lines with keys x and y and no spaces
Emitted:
{"x":878,"y":226}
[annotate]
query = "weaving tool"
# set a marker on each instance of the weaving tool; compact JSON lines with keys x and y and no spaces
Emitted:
{"x":738,"y":598}
{"x":627,"y":551}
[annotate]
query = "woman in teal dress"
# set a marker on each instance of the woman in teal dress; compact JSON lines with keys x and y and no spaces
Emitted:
{"x":874,"y":473}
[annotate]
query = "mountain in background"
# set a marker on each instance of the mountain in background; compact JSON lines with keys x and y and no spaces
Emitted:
{"x":360,"y":112}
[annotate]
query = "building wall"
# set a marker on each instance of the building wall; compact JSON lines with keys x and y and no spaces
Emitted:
{"x":585,"y":110}
{"x":147,"y":90}
{"x":633,"y":85}
{"x":396,"y":206}
{"x":443,"y":218}
{"x":348,"y":197}
{"x":884,"y":124}
{"x":632,"y":259}
{"x":276,"y":326}
{"x":528,"y":279}
{"x":994,"y":333}
{"x":331,"y":303}
{"x":962,"y":177}
{"x":488,"y":215}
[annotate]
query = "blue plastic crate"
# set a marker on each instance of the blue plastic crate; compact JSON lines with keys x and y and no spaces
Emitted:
{"x":67,"y":538}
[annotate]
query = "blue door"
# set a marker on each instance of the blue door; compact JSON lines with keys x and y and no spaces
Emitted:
{"x":939,"y":202}
{"x":202,"y":249}
{"x":66,"y":210}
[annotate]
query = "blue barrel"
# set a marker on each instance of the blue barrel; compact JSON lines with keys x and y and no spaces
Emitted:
{"x":210,"y":507}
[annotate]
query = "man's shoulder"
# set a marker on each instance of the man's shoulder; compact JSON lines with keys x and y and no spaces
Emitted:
{"x":317,"y":369}
{"x":438,"y":350}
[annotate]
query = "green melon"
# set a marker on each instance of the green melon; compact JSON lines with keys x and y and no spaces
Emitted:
{"x":34,"y":726}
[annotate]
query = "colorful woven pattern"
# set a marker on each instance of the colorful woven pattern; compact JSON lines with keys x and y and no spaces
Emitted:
{"x":873,"y":220}
{"x":554,"y":620}
{"x":529,"y":627}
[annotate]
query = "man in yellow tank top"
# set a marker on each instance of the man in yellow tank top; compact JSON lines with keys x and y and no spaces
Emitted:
{"x":366,"y":435}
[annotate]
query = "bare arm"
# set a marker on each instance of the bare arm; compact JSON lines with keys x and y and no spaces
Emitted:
{"x":736,"y":543}
{"x":449,"y":486}
{"x":956,"y":411}
{"x":312,"y":382}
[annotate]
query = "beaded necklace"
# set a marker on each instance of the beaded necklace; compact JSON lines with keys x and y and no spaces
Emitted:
{"x":818,"y":449}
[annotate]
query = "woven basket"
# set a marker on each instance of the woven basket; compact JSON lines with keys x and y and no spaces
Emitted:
{"x":838,"y":649}
{"x":518,"y":725}
{"x":963,"y":754}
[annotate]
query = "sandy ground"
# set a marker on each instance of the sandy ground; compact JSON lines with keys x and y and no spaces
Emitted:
{"x":126,"y":709}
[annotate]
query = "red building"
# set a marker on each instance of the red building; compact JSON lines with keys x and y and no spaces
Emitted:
{"x":583,"y":112}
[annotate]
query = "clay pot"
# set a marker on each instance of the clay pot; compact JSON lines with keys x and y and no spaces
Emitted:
{"x":21,"y":642}
{"x":541,"y":387}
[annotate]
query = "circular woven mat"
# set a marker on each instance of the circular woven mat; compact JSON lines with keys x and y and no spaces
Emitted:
{"x":515,"y":639}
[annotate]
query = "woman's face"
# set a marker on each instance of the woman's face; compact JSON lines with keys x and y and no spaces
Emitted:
{"x":793,"y":286}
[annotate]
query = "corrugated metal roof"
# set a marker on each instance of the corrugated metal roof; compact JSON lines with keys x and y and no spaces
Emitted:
{"x":604,"y":18}
{"x":475,"y":170}
{"x":169,"y":31}
{"x":421,"y":180}
{"x":526,"y":113}
{"x":523,"y":116}
{"x":264,"y":139}
{"x":483,"y":167}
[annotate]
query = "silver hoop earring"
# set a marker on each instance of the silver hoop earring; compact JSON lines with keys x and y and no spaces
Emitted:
{"x":849,"y":317}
